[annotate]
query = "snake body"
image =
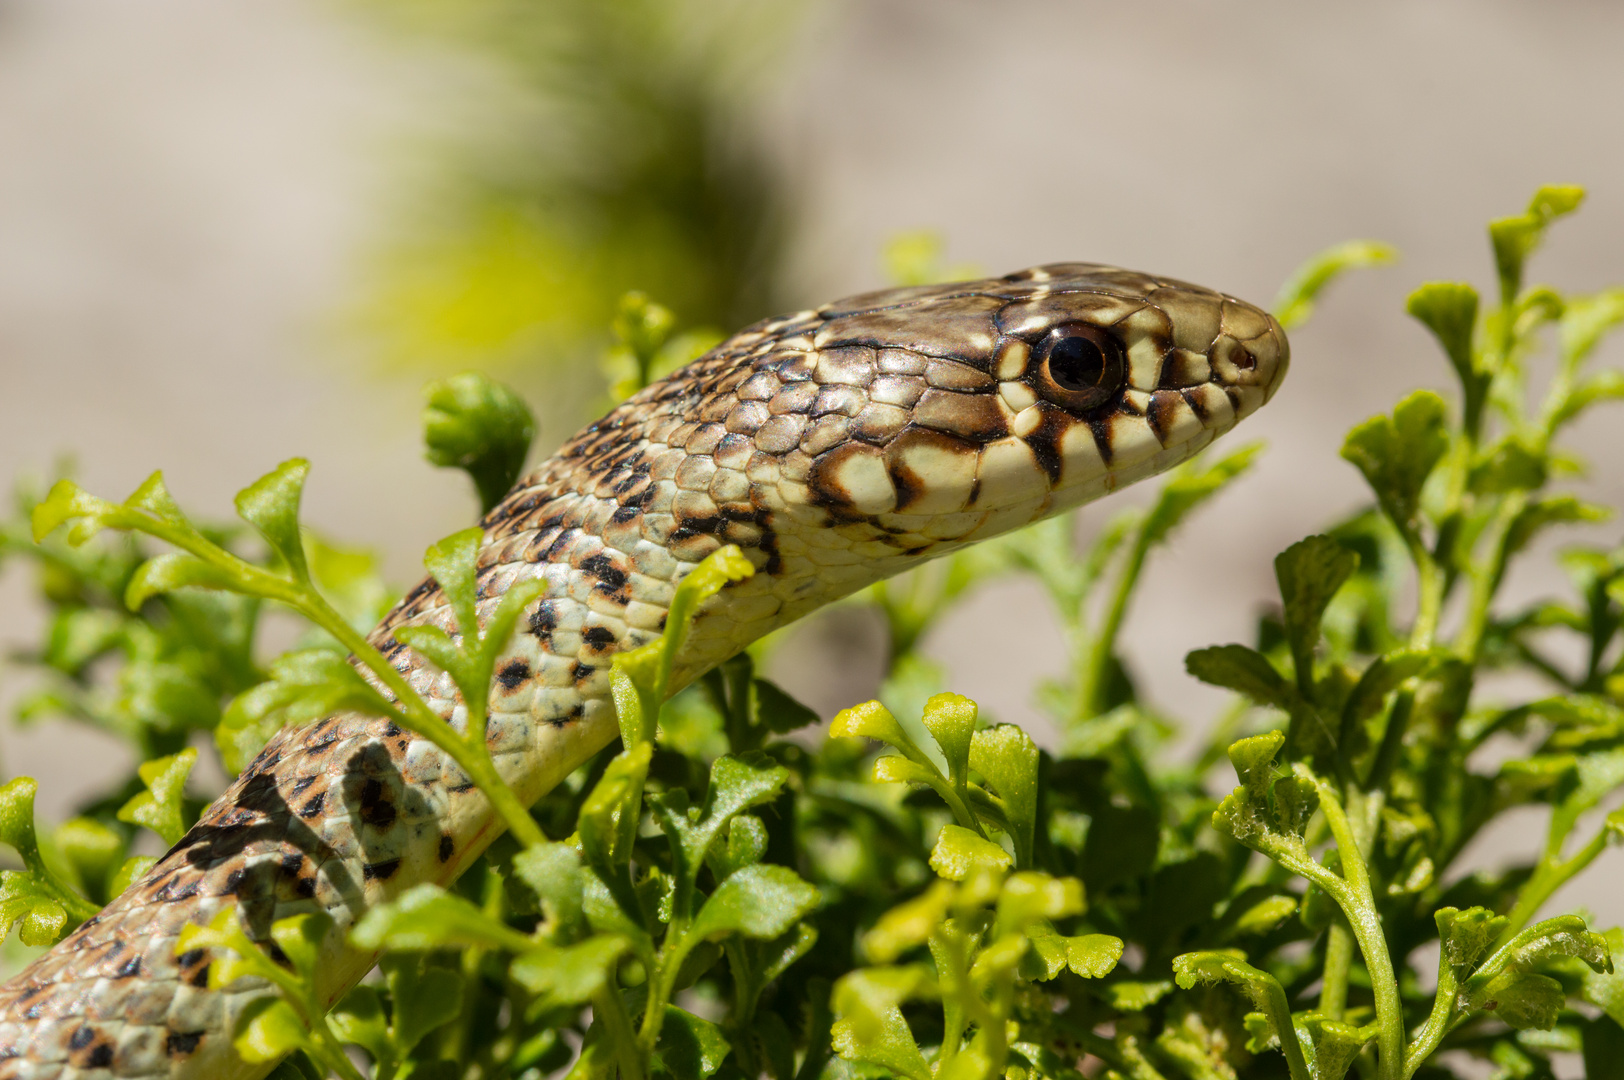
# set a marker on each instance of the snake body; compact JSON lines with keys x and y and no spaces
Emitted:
{"x":835,"y":447}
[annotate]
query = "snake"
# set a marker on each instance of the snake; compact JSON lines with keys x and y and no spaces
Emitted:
{"x":835,"y":446}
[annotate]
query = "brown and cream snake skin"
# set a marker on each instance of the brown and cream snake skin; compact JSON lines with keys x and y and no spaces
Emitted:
{"x":836,"y":447}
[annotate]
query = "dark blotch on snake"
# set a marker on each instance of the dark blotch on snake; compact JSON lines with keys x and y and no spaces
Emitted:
{"x":313,"y":807}
{"x":513,"y":674}
{"x":376,"y":809}
{"x":182,"y":1042}
{"x":611,"y":578}
{"x":380,"y":871}
{"x":100,"y":1057}
{"x":448,"y":847}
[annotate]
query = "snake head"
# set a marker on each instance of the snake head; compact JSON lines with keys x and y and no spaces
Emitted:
{"x":998,"y":402}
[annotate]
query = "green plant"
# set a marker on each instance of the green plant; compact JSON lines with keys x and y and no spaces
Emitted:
{"x":719,"y":901}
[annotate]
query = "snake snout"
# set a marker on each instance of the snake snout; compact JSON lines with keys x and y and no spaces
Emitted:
{"x":1250,"y":355}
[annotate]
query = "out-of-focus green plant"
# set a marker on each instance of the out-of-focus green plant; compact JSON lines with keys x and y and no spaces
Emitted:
{"x":719,"y":901}
{"x":626,"y":157}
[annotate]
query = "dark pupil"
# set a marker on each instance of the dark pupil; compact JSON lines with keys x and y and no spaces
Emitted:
{"x":1076,"y":363}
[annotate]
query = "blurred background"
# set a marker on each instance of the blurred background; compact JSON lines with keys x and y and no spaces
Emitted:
{"x":230,"y":234}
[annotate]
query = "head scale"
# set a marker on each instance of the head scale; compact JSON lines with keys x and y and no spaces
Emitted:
{"x":1031,"y":394}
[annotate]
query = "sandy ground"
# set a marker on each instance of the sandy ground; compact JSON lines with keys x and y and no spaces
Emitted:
{"x":183,"y":187}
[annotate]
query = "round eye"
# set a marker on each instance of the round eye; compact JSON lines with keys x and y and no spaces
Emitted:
{"x":1078,"y":367}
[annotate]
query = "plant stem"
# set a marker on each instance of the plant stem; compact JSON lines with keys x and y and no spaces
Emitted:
{"x":1338,"y":959}
{"x":607,"y":1007}
{"x":1438,"y":1023}
{"x":1353,"y":895}
{"x":1487,"y":577}
{"x":1550,"y":875}
{"x":1429,"y":581}
{"x":1100,"y":646}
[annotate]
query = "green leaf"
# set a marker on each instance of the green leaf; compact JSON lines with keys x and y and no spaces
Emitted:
{"x":159,"y":807}
{"x":1295,"y":302}
{"x":569,"y":975}
{"x":1136,"y":995}
{"x":1466,"y":936}
{"x":1261,"y":917}
{"x":91,"y":849}
{"x":1093,"y":956}
{"x":1605,"y":989}
{"x":1244,"y":670}
{"x":422,"y":998}
{"x":1396,"y":454}
{"x":427,"y":917}
{"x":172,"y":571}
{"x":1381,"y":678}
{"x":642,"y":326}
{"x":554,"y":872}
{"x":870,"y":720}
{"x":39,"y":904}
{"x":960,"y":854}
{"x":640,"y":678}
{"x":870,"y":1028}
{"x":1310,"y":572}
{"x":759,"y":901}
{"x":1541,"y":514}
{"x":1008,"y":758}
{"x":1585,"y":321}
{"x":267,"y":1030}
{"x":1508,"y":985}
{"x":476,"y":424}
{"x":132,"y":870}
{"x":1253,"y":759}
{"x":33,"y":907}
{"x":1516,"y":238}
{"x":69,"y":502}
{"x":744,"y":844}
{"x":911,"y":923}
{"x":1449,"y":310}
{"x":1604,"y":385}
{"x":776,"y":711}
{"x":1330,"y":1045}
{"x":17,"y":818}
{"x":1509,"y":465}
{"x":1028,"y":896}
{"x":271,"y":505}
{"x":615,"y":793}
{"x":300,"y":937}
{"x":689,"y":1047}
{"x":1522,"y":999}
{"x":454,"y":562}
{"x":359,"y":1019}
{"x":951,"y":721}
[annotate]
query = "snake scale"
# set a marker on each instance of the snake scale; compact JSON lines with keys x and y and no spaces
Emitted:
{"x":835,"y":446}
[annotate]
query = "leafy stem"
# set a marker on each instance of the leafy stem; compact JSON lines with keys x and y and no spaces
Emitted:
{"x":1353,"y":895}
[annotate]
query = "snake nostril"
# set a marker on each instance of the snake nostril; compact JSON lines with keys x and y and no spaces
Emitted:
{"x":1244,"y":360}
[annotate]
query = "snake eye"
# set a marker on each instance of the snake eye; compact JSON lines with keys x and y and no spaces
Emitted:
{"x":1078,"y":367}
